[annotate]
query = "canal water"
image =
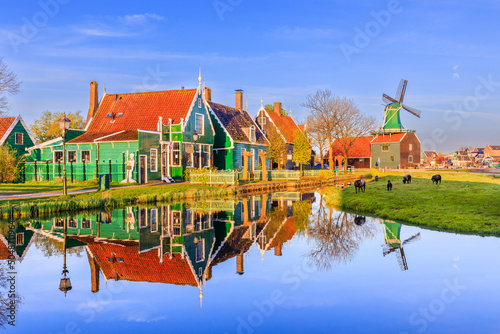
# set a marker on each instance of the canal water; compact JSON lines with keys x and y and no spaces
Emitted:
{"x":276,"y":263}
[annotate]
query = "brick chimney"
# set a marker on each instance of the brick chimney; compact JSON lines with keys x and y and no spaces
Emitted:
{"x":94,"y":273}
{"x":239,"y":99}
{"x":278,"y":250}
{"x":94,"y":100}
{"x":277,"y":107}
{"x":208,"y":94}
{"x":239,"y":264}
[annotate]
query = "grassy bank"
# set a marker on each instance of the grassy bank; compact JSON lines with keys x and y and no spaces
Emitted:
{"x":463,"y":202}
{"x":114,"y":198}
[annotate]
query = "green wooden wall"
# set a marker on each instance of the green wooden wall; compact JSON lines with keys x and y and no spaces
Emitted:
{"x":11,"y":139}
{"x":385,"y":156}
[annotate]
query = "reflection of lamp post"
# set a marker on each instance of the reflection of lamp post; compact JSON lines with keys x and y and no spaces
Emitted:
{"x":64,"y":125}
{"x":65,"y":284}
{"x":195,"y":139}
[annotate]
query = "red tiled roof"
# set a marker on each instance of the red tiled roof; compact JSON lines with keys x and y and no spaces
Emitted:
{"x":145,"y":267}
{"x":140,"y":111}
{"x":286,"y":125}
{"x":388,"y":138}
{"x":361,"y":148}
{"x":4,"y":251}
{"x":5,"y":123}
{"x":495,"y":147}
{"x":302,"y":127}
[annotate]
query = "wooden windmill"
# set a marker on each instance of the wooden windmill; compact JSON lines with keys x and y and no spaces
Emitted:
{"x":392,"y":120}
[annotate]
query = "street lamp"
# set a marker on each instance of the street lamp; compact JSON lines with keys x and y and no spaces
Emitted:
{"x":65,"y":283}
{"x":64,"y":125}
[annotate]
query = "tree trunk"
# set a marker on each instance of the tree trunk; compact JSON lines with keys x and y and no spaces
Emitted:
{"x":345,"y":162}
{"x":330,"y":156}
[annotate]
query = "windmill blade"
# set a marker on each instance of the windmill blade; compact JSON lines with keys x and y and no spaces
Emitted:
{"x":412,"y":239}
{"x":414,"y":111}
{"x":400,"y":93}
{"x":387,"y":99}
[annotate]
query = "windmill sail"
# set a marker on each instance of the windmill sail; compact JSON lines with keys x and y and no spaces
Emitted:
{"x":400,"y":93}
{"x":387,"y":99}
{"x":414,"y":111}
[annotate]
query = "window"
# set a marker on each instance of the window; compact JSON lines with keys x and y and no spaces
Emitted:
{"x":200,"y":250}
{"x":109,"y":115}
{"x":19,"y":238}
{"x":71,"y":156}
{"x":410,"y":147}
{"x":385,"y":148}
{"x":289,"y":157}
{"x":72,"y":223}
{"x":176,"y":222}
{"x":199,"y":103}
{"x":58,"y":156}
{"x":252,"y":134}
{"x":120,"y":114}
{"x":154,"y":220}
{"x":410,"y":158}
{"x":392,"y":158}
{"x":19,"y":139}
{"x":199,"y":124}
{"x":262,"y":120}
{"x":85,"y":223}
{"x":153,"y":154}
{"x":59,"y":222}
{"x":176,"y":154}
{"x":243,"y":157}
{"x":85,"y":156}
{"x":189,"y":155}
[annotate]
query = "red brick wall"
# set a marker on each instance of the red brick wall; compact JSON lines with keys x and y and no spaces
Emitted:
{"x":410,"y":138}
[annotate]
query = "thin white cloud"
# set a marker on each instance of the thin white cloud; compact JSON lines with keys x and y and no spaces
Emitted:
{"x":140,"y":18}
{"x":102,"y":32}
{"x":299,"y":33}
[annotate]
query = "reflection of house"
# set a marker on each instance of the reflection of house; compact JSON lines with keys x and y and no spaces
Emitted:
{"x":15,"y":133}
{"x":359,"y":151}
{"x":235,"y":133}
{"x":20,"y":241}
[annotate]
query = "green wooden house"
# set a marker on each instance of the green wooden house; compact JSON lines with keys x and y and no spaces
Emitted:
{"x":151,"y":133}
{"x":15,"y":133}
{"x":235,"y":133}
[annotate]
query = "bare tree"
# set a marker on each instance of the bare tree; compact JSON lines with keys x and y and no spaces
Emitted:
{"x":9,"y":84}
{"x":334,"y":117}
{"x":317,"y":136}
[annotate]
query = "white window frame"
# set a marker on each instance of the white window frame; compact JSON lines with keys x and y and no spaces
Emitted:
{"x":172,"y":151}
{"x":90,"y":155}
{"x":22,"y":138}
{"x":145,"y":211}
{"x":262,"y":120}
{"x":410,"y":147}
{"x":155,"y":160}
{"x":253,"y":136}
{"x":200,"y":133}
{"x":153,"y":216}
{"x":67,"y":156}
{"x":202,"y":242}
{"x":410,"y":158}
{"x":54,"y":155}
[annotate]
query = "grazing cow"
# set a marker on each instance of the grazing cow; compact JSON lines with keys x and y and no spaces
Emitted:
{"x":436,"y":178}
{"x":377,"y":177}
{"x":359,"y":184}
{"x":359,"y":220}
{"x":407,"y":178}
{"x":389,"y":185}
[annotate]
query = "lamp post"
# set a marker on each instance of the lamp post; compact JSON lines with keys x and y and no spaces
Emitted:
{"x":65,"y":283}
{"x":64,"y":125}
{"x":195,"y":139}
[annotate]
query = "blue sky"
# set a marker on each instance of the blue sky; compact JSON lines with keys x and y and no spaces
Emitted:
{"x":280,"y":50}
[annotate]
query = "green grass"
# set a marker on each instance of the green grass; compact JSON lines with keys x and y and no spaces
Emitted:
{"x":48,"y":187}
{"x":463,"y":202}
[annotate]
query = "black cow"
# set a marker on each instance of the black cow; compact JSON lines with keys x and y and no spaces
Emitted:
{"x":407,"y":178}
{"x":389,"y":185}
{"x":359,"y":220}
{"x":436,"y":178}
{"x":359,"y":184}
{"x":377,"y":177}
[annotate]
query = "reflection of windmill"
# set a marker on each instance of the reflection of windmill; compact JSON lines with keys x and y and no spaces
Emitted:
{"x":392,"y":232}
{"x":392,"y":121}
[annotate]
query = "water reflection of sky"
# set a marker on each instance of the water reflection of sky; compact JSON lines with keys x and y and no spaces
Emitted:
{"x":368,"y":294}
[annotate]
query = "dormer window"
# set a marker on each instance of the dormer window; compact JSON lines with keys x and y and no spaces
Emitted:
{"x":120,"y":114}
{"x":109,"y":115}
{"x":252,"y":134}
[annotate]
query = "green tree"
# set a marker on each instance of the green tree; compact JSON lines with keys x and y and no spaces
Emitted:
{"x":47,"y":126}
{"x":9,"y":163}
{"x":8,"y":85}
{"x":301,"y":212}
{"x":301,"y":149}
{"x":277,"y":150}
{"x":270,"y":107}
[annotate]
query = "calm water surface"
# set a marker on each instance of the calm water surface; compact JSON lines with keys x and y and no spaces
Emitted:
{"x":277,"y":263}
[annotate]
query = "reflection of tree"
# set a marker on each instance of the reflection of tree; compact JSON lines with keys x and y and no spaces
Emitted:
{"x":337,"y":238}
{"x":301,"y":212}
{"x":5,"y":301}
{"x":51,"y":247}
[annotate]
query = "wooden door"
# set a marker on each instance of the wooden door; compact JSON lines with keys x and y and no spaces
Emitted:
{"x":144,"y":160}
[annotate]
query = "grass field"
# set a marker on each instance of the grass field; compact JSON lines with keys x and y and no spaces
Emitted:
{"x":42,"y":187}
{"x":463,"y":202}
